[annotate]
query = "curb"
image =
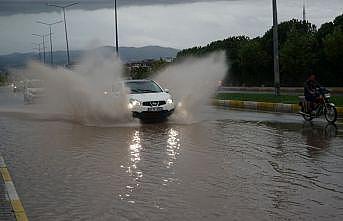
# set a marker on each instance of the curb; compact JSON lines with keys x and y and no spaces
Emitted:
{"x":292,"y":90}
{"x":265,"y":106}
{"x":12,"y":194}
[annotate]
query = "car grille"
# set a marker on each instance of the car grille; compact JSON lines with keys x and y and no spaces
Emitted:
{"x":154,"y":103}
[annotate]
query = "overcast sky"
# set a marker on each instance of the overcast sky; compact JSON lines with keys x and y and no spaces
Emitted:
{"x":151,"y":22}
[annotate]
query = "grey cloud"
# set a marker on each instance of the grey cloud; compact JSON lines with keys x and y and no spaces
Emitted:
{"x":36,"y":6}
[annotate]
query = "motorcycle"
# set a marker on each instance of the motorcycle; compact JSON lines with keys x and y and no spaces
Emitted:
{"x":323,"y":107}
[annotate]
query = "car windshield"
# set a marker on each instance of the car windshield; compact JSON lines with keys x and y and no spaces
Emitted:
{"x":139,"y":87}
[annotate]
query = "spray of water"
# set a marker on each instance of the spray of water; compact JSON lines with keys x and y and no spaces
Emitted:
{"x":192,"y":83}
{"x":89,"y":92}
{"x":79,"y":92}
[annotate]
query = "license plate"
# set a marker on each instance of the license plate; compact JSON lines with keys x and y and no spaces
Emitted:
{"x":155,"y":109}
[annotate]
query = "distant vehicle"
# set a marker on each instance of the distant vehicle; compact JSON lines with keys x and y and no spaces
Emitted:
{"x":324,"y":107}
{"x":33,"y":90}
{"x":148,"y":101}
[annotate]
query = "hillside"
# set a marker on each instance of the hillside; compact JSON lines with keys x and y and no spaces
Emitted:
{"x":127,"y":54}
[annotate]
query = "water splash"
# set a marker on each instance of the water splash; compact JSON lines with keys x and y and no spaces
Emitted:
{"x":80,"y":91}
{"x":192,"y":83}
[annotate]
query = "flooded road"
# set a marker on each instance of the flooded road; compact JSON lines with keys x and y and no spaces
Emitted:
{"x":229,"y":165}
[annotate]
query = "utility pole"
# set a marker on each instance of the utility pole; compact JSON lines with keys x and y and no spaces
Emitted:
{"x":276,"y":50}
{"x":63,"y":7}
{"x":304,"y":12}
{"x":43,"y":48}
{"x":38,"y":51}
{"x":39,"y":54}
{"x":50,"y":24}
{"x":38,"y":48}
{"x":43,"y":41}
{"x":116,"y":26}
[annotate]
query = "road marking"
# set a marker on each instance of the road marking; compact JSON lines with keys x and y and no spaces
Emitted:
{"x":10,"y":189}
{"x":12,"y":194}
{"x":5,"y":174}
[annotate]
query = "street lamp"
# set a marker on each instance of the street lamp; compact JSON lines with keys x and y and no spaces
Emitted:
{"x":43,"y":41}
{"x":50,"y":24}
{"x":63,"y":7}
{"x":116,"y":26}
{"x":276,"y":50}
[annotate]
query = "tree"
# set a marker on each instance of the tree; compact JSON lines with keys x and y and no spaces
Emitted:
{"x":302,"y":49}
{"x":338,"y":22}
{"x":3,"y":77}
{"x":297,"y":57}
{"x":254,"y":64}
{"x":284,"y":29}
{"x":324,"y":30}
{"x":333,"y":50}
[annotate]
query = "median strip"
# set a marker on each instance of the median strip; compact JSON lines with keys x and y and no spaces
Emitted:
{"x":265,"y":106}
{"x":12,"y":194}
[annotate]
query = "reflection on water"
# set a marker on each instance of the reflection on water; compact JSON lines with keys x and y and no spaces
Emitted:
{"x":170,"y":145}
{"x":173,"y":147}
{"x":318,"y":137}
{"x":172,"y":151}
{"x":133,"y":170}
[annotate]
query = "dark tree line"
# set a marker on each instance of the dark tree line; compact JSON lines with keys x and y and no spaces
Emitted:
{"x":3,"y":77}
{"x":303,"y":49}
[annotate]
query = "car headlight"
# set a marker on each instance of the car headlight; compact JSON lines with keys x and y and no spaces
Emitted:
{"x":133,"y":103}
{"x":169,"y":101}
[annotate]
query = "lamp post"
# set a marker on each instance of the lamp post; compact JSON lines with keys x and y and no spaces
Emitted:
{"x":276,"y":50}
{"x":63,"y":7}
{"x":50,"y":24}
{"x":43,"y":41}
{"x":116,"y":26}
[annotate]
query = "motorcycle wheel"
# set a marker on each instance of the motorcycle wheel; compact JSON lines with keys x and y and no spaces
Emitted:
{"x":331,"y":114}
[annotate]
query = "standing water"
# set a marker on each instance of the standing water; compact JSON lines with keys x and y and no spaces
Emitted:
{"x":222,"y":165}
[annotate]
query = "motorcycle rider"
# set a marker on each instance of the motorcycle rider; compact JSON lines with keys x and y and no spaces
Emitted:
{"x":311,"y":94}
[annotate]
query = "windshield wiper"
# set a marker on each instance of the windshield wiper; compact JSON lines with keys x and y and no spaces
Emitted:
{"x":143,"y":91}
{"x":135,"y":90}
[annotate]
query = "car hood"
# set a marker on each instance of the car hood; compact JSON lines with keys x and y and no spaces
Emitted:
{"x":163,"y":96}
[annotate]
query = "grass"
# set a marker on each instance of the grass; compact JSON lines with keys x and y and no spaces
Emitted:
{"x":271,"y":98}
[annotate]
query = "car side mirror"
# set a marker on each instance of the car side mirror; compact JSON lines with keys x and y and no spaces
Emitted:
{"x":166,"y":90}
